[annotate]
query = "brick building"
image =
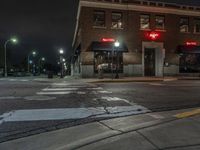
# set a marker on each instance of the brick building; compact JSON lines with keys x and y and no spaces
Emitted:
{"x":155,"y":38}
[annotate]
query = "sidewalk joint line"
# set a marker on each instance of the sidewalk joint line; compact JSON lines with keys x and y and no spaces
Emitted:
{"x":110,"y":127}
{"x":148,"y":140}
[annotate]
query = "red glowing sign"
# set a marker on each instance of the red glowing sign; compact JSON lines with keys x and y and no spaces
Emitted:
{"x":153,"y":35}
{"x":191,"y":43}
{"x":108,"y":40}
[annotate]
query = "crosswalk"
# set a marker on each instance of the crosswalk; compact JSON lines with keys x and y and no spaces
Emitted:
{"x":67,"y":88}
{"x":97,"y":94}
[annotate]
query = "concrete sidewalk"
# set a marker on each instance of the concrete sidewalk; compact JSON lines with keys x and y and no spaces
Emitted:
{"x":130,"y":79}
{"x":173,"y":130}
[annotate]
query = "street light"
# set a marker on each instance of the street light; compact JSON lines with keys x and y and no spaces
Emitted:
{"x":32,"y":53}
{"x":43,"y":59}
{"x":61,"y":51}
{"x":13,"y":40}
{"x":40,"y":60}
{"x":115,"y":45}
{"x":62,"y":60}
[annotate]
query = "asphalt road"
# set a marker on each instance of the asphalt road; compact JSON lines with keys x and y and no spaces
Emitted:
{"x":30,"y":106}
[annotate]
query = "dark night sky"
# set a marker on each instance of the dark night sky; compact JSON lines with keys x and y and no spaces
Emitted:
{"x":44,"y":25}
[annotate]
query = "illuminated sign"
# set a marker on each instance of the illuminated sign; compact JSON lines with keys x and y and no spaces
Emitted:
{"x":108,"y":40}
{"x":153,"y":35}
{"x":191,"y":43}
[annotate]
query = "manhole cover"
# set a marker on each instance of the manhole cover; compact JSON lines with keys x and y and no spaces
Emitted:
{"x":39,"y":98}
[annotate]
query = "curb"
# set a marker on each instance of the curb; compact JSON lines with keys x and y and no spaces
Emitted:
{"x":132,"y":80}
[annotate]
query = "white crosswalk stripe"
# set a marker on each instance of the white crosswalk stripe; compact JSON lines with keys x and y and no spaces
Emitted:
{"x":60,"y":89}
{"x":67,"y":88}
{"x":70,"y":113}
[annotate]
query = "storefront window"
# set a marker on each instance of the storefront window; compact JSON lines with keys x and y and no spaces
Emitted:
{"x":197,"y":26}
{"x":145,"y":22}
{"x":99,"y":19}
{"x":160,"y":22}
{"x":117,"y":20}
{"x":184,"y":25}
{"x":104,"y":60}
{"x":190,"y":63}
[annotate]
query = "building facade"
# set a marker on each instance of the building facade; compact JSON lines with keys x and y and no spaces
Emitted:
{"x":154,"y":39}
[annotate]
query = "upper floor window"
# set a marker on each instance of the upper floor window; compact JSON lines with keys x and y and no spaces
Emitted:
{"x":197,"y":25}
{"x":117,"y":20}
{"x":160,"y":22}
{"x":184,"y":24}
{"x":144,"y":22}
{"x":99,"y":19}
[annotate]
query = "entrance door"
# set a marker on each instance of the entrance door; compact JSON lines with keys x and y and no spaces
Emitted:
{"x":149,"y":62}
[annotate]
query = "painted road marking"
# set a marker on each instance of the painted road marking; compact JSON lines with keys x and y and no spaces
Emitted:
{"x":54,"y":93}
{"x":98,"y":88}
{"x":188,"y":114}
{"x":12,"y":79}
{"x":81,"y":93}
{"x":70,"y":113}
{"x":24,"y":80}
{"x":59,"y":89}
{"x":105,"y":92}
{"x":9,"y":98}
{"x":39,"y":98}
{"x":156,"y":84}
{"x":117,"y":99}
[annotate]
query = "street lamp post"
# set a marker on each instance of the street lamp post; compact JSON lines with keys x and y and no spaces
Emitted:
{"x":41,"y":59}
{"x":14,"y":40}
{"x":116,"y":45}
{"x":32,"y":53}
{"x":62,"y":60}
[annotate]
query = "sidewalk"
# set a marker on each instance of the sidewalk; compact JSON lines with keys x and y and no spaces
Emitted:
{"x":172,"y":130}
{"x":131,"y":79}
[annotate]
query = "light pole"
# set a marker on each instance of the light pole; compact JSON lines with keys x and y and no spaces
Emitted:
{"x":13,"y":40}
{"x":116,"y":45}
{"x":32,"y":53}
{"x":41,"y":59}
{"x":62,"y":60}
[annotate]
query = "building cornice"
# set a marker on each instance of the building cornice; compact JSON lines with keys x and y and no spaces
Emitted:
{"x":131,"y":7}
{"x":142,"y":8}
{"x":77,"y":24}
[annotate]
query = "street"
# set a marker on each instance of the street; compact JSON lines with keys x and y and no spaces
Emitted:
{"x":30,"y":106}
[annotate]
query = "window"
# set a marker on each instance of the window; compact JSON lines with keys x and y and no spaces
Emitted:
{"x":190,"y":63}
{"x":104,"y":60}
{"x":197,"y":26}
{"x":160,"y":22}
{"x":116,"y":20}
{"x":99,"y":19}
{"x":184,"y":25}
{"x":144,"y":22}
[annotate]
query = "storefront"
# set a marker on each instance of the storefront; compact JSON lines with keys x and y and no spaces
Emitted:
{"x":189,"y":58}
{"x":108,"y":57}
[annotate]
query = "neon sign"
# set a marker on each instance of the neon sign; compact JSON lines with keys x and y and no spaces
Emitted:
{"x":191,"y":43}
{"x":108,"y":40}
{"x":153,"y":35}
